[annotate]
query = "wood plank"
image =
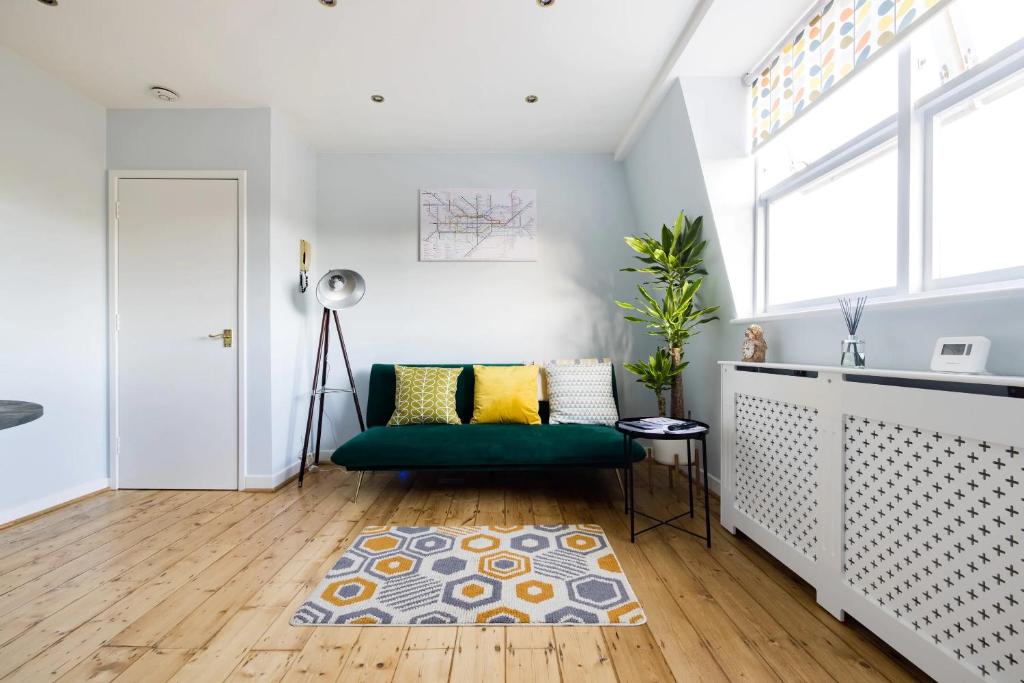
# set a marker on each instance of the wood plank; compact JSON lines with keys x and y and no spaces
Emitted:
{"x":76,"y":541}
{"x":479,"y":654}
{"x":106,"y":664}
{"x":323,"y":655}
{"x":155,"y":666}
{"x":426,"y":666}
{"x":636,"y":655}
{"x":48,"y":526}
{"x":227,"y":649}
{"x":531,"y":665}
{"x":583,"y":655}
{"x":266,"y":666}
{"x":375,"y":655}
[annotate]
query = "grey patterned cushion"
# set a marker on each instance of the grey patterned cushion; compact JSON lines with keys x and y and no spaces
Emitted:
{"x":581,"y":394}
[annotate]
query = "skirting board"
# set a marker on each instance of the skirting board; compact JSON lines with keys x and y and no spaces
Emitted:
{"x":56,"y":500}
{"x":271,"y":482}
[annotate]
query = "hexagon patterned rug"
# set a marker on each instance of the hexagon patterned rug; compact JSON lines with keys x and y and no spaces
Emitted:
{"x":544,"y":574}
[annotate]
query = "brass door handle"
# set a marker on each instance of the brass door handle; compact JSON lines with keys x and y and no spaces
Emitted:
{"x":225,"y":335}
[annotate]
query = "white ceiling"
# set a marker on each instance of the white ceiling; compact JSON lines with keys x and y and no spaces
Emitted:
{"x":454,"y":72}
{"x":735,"y":34}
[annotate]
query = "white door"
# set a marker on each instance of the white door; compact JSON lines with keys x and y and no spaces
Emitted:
{"x":177,"y":283}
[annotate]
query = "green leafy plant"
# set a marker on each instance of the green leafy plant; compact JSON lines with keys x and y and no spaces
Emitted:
{"x":675,"y":264}
{"x":656,"y":373}
{"x":675,"y":258}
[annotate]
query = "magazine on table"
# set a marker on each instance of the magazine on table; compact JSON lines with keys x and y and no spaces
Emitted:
{"x":663,"y":425}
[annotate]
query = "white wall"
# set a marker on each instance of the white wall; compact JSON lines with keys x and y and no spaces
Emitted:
{"x":293,"y":329}
{"x":218,"y":139}
{"x":559,"y":307}
{"x":53,"y":309}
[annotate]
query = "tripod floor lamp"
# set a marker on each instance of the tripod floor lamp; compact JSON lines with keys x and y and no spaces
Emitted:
{"x":336,"y":290}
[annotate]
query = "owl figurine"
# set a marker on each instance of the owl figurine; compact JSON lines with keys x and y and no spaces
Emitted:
{"x":754,"y":345}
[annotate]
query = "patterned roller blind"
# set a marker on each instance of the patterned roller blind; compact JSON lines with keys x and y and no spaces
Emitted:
{"x":840,"y":37}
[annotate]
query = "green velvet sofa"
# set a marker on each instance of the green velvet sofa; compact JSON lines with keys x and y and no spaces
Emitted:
{"x":474,"y":446}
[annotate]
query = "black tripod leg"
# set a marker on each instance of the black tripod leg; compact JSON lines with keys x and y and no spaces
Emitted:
{"x":351,"y":377}
{"x":323,"y":383}
{"x":312,"y":397}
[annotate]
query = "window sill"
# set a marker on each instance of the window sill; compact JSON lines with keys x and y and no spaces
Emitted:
{"x":989,"y":292}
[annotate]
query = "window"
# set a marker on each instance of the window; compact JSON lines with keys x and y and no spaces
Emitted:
{"x":854,"y":249}
{"x":977,"y":228}
{"x":904,"y":178}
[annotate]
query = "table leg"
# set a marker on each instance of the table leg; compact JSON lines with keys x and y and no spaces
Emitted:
{"x":625,"y":474}
{"x":707,"y":501}
{"x":689,"y":474}
{"x":633,"y":503}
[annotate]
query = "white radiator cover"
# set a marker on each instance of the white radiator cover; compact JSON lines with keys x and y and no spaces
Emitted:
{"x":902,"y":505}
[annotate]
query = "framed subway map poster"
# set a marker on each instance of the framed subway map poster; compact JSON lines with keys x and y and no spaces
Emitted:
{"x":478,"y":225}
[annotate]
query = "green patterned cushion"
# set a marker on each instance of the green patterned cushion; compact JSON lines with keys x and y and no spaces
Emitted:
{"x":425,"y":396}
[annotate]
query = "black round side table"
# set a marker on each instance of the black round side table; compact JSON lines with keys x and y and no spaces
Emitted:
{"x":14,"y":413}
{"x":697,"y":431}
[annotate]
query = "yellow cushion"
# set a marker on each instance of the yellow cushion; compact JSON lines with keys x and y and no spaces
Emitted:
{"x":505,"y":394}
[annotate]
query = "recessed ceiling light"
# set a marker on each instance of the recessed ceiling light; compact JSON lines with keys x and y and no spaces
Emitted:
{"x":531,"y":99}
{"x":545,"y":3}
{"x":163,"y":94}
{"x":377,"y":98}
{"x":329,"y":3}
{"x":49,"y":3}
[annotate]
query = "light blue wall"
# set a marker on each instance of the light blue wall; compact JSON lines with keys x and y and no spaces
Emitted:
{"x":558,"y":307}
{"x":665,"y":173}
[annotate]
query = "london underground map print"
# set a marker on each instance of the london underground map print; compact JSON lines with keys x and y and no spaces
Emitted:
{"x":478,"y":225}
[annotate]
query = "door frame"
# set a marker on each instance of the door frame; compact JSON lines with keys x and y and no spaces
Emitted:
{"x":241,"y":338}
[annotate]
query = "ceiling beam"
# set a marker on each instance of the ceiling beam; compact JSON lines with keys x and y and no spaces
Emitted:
{"x":662,"y":81}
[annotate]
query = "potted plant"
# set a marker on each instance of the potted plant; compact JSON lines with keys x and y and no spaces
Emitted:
{"x":656,"y":373}
{"x":670,"y":309}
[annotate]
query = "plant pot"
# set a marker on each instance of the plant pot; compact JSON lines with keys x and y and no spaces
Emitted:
{"x":669,"y":452}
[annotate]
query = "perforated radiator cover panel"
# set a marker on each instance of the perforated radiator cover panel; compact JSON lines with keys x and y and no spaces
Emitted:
{"x":934,"y":534}
{"x":776,"y":464}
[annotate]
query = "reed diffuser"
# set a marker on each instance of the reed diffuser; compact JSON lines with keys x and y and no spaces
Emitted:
{"x":852,"y":347}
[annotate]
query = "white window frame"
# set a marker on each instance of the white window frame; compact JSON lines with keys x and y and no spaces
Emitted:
{"x":912,"y":128}
{"x":1005,"y":64}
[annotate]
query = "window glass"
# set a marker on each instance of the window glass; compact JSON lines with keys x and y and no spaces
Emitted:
{"x":836,"y":235}
{"x":977,"y":150}
{"x":865,"y":99}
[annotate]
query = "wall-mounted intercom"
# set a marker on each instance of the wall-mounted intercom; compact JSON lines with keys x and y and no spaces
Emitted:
{"x":304,"y":257}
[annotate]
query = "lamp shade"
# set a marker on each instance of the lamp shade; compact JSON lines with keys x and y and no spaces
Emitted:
{"x":340,"y":289}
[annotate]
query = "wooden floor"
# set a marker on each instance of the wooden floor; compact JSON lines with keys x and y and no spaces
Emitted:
{"x":199,"y":586}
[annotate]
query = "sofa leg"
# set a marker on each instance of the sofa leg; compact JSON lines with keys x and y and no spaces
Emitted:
{"x":618,"y":478}
{"x":359,"y":482}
